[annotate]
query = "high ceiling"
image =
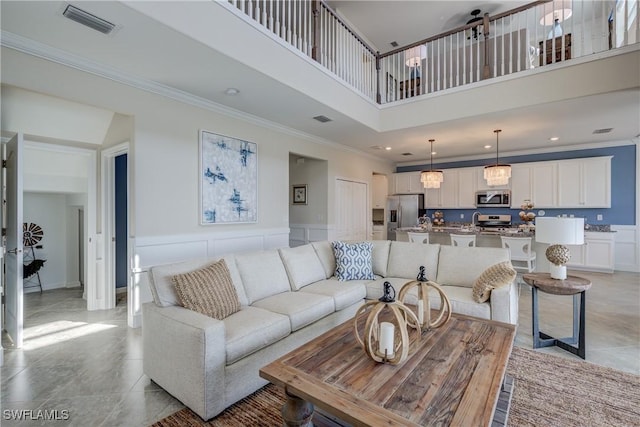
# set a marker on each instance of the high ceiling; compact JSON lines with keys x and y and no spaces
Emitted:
{"x":144,"y":49}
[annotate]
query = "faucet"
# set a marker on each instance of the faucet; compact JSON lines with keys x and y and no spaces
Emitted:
{"x":473,"y":218}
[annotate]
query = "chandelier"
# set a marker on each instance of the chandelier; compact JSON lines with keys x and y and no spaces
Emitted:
{"x":431,"y":178}
{"x":497,"y":174}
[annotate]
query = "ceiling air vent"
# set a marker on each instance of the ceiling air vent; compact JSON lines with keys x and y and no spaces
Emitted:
{"x":322,"y":119}
{"x":87,"y":19}
{"x":603,"y":130}
{"x":394,"y":43}
{"x":407,"y":154}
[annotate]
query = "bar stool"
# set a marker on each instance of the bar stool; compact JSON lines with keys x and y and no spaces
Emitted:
{"x":465,"y":240}
{"x":418,"y":237}
{"x":523,"y":258}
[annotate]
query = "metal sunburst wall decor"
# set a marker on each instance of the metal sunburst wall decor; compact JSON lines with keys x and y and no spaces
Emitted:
{"x":31,"y":234}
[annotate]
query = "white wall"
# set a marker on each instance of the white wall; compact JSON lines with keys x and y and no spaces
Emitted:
{"x":49,"y":211}
{"x":164,"y":164}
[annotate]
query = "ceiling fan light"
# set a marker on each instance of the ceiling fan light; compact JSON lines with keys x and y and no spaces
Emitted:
{"x":414,"y":56}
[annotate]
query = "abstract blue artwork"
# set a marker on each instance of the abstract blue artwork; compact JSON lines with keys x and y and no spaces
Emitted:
{"x":228,"y":179}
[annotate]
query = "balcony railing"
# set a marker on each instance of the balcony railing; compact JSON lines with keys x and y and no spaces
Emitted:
{"x":536,"y":35}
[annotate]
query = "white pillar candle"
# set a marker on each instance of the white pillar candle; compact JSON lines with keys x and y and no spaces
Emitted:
{"x":387,"y":331}
{"x":420,"y":311}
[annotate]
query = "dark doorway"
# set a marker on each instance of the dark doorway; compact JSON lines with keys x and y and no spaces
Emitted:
{"x":121,"y":219}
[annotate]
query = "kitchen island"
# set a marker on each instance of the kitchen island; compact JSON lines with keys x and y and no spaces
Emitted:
{"x":597,"y":254}
{"x":484,"y":237}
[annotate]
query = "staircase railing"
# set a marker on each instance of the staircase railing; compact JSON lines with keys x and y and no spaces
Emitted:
{"x":538,"y":34}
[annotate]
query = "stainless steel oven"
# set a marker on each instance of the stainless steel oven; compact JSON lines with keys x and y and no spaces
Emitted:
{"x":493,"y":198}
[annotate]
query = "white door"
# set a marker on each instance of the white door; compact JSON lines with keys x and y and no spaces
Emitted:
{"x":13,"y":243}
{"x":351,"y":210}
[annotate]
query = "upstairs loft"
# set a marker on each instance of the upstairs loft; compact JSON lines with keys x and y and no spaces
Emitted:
{"x":194,"y":51}
{"x":534,"y":35}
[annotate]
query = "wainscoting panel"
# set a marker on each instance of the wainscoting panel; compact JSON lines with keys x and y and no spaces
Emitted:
{"x":301,"y":234}
{"x":150,"y":251}
{"x":627,"y":252}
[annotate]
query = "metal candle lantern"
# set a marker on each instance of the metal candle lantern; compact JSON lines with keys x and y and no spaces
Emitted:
{"x":423,"y":306}
{"x":386,"y":341}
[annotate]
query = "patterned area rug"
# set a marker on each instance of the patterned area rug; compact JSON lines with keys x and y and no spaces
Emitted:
{"x":549,"y":391}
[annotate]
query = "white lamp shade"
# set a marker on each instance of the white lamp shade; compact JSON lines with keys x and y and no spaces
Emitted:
{"x":561,"y":231}
{"x":414,"y":56}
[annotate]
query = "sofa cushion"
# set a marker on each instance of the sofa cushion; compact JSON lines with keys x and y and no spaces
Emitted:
{"x":353,"y":260}
{"x":302,"y":308}
{"x":262,"y":274}
{"x":163,"y":290}
{"x":406,"y":258}
{"x":324,"y":250}
{"x":380,"y":256}
{"x":344,"y":294}
{"x":302,"y":265}
{"x":496,"y":276}
{"x":208,"y":290}
{"x":252,"y":329}
{"x":459,"y":266}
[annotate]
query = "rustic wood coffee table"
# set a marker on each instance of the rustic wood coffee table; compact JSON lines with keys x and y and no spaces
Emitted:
{"x":454,"y":376}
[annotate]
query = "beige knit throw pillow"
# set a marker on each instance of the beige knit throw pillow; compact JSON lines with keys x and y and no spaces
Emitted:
{"x":208,"y":290}
{"x":496,"y":276}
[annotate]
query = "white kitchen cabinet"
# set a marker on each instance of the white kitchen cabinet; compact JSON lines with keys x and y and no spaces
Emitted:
{"x":597,"y":253}
{"x":467,"y":187}
{"x":379,"y":193}
{"x":535,"y":181}
{"x":407,"y":183}
{"x":457,"y":191}
{"x":584,"y":183}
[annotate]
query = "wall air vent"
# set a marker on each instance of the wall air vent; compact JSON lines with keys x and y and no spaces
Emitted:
{"x":322,"y":119}
{"x":603,"y":130}
{"x":88,"y":19}
{"x":407,"y":154}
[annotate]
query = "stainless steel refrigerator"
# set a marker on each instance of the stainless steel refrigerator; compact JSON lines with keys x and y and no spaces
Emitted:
{"x":403,"y":212}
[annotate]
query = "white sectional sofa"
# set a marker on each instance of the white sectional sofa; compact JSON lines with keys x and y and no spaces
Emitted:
{"x":287,"y":297}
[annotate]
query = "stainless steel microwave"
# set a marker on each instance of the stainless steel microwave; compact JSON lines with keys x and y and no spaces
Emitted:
{"x":493,"y":198}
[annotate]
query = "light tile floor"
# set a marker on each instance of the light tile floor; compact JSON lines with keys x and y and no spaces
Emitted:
{"x":90,"y":363}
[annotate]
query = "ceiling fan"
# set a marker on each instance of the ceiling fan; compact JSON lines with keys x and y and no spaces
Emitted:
{"x":476,"y":17}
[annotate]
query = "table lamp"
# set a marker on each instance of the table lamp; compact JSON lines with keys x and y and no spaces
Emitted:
{"x":559,"y":232}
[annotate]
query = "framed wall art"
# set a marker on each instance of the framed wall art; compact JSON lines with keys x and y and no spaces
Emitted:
{"x":228,"y":180}
{"x":299,"y":194}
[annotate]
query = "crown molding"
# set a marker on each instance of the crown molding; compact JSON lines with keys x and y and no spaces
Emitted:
{"x":550,"y":149}
{"x":52,"y":54}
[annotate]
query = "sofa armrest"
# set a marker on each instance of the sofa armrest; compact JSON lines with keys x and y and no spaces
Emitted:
{"x":504,"y":304}
{"x":184,"y":353}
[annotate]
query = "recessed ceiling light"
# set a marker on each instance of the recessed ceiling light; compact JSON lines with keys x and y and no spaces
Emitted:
{"x":433,"y":153}
{"x":387,"y":148}
{"x":554,"y":138}
{"x":487,"y":146}
{"x":231,"y":91}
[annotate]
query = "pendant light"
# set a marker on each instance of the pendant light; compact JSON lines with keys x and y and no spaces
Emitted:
{"x":431,"y":178}
{"x":497,"y":174}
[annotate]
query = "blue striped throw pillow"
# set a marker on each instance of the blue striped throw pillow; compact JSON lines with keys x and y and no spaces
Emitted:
{"x":353,"y":260}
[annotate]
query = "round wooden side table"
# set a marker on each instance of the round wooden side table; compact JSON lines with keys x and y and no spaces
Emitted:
{"x":572,"y":285}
